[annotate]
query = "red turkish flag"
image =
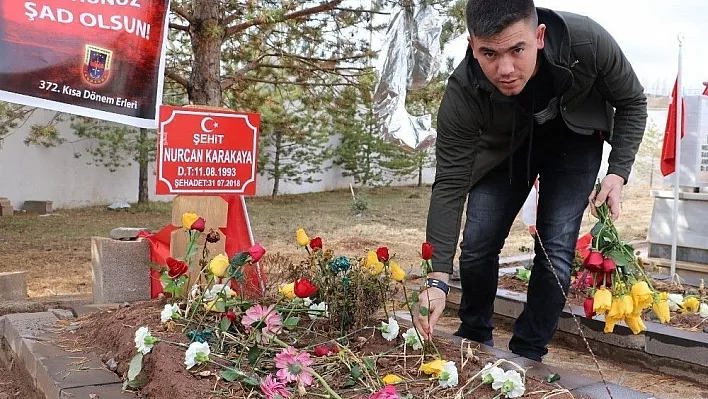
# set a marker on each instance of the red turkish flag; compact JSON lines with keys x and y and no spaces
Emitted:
{"x":668,"y":151}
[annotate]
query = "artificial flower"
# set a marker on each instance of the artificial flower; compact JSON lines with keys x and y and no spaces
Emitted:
{"x":265,"y":319}
{"x":230,"y":315}
{"x":188,"y":220}
{"x":176,"y":268}
{"x":413,"y":339}
{"x":448,"y":377}
{"x":675,"y":301}
{"x":382,"y":254}
{"x":433,"y":368}
{"x":635,"y":324}
{"x":301,"y":238}
{"x":256,"y":252}
{"x":292,"y":366}
{"x":223,"y":289}
{"x":580,"y":283}
{"x":389,"y":330}
{"x":610,"y":323}
{"x":219,"y":265}
{"x":397,"y":273}
{"x":588,"y":308}
{"x":274,"y":389}
{"x":703,"y":310}
{"x":340,"y":264}
{"x":593,"y":262}
{"x":628,"y":305}
{"x":602,"y":301}
{"x":661,"y":310}
{"x":642,"y":295}
{"x":169,"y":312}
{"x":513,"y":386}
{"x":391,"y":379}
{"x":372,"y":263}
{"x":426,"y":251}
{"x":690,"y":305}
{"x":304,"y":288}
{"x":211,"y":306}
{"x":213,"y":236}
{"x":318,"y":310}
{"x":198,"y":225}
{"x":144,"y":341}
{"x":491,"y":373}
{"x":197,"y":353}
{"x":617,"y":309}
{"x":388,"y":392}
{"x":316,"y":244}
{"x":321,"y":350}
{"x":287,"y":290}
{"x":608,"y":265}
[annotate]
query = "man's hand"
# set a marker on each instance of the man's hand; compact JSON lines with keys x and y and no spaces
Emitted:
{"x":610,"y":192}
{"x":434,"y":299}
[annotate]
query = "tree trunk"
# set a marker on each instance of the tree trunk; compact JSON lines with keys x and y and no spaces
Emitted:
{"x":143,"y":167}
{"x":207,"y":36}
{"x":420,"y":175}
{"x":276,"y":162}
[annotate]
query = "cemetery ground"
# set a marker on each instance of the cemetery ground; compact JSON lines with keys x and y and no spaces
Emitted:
{"x":55,"y":251}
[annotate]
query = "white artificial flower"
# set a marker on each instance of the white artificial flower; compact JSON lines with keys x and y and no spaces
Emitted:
{"x":197,"y":353}
{"x":499,"y":377}
{"x":448,"y":377}
{"x":389,"y":330}
{"x":318,"y":310}
{"x":144,"y":341}
{"x":703,"y":310}
{"x":675,"y":300}
{"x":307,"y":302}
{"x":491,"y":373}
{"x":412,"y":339}
{"x":169,"y":312}
{"x":194,"y":292}
{"x":513,"y":387}
{"x":211,"y":294}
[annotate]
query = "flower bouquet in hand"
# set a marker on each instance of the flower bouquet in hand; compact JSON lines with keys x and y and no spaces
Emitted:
{"x":619,"y":288}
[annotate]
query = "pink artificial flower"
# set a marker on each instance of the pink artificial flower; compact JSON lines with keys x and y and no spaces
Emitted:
{"x":389,"y":392}
{"x":274,"y":389}
{"x":266,"y":319}
{"x":579,"y":283}
{"x":291,"y":366}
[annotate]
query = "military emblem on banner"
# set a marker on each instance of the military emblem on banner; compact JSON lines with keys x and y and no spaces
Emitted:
{"x":97,"y":64}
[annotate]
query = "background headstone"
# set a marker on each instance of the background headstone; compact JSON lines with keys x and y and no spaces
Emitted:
{"x":39,"y":207}
{"x":6,"y":208}
{"x":121,"y":270}
{"x":13,"y":286}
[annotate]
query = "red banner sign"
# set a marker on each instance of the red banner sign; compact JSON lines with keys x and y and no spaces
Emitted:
{"x":96,"y":58}
{"x":203,"y":151}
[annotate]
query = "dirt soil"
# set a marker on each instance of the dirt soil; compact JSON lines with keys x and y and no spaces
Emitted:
{"x":55,"y":249}
{"x":111,"y":335}
{"x":14,"y":384}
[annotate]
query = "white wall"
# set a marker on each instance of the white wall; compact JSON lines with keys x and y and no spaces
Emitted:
{"x":54,"y":174}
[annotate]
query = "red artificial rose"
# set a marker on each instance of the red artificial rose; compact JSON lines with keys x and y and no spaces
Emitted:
{"x":426,"y":252}
{"x":604,"y":279}
{"x":382,"y":254}
{"x":176,"y":268}
{"x":198,"y":225}
{"x":316,"y":244}
{"x":587,"y":306}
{"x":321,"y":350}
{"x":593,"y":262}
{"x":230,"y":315}
{"x":608,"y":265}
{"x":304,"y":288}
{"x":256,"y":252}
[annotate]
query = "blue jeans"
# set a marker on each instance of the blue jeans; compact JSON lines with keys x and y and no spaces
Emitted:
{"x":567,"y":165}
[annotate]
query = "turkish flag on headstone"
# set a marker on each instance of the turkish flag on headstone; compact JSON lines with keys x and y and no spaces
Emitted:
{"x":668,"y":151}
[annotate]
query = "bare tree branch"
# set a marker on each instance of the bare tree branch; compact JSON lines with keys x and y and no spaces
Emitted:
{"x":183,"y":28}
{"x":181,"y":12}
{"x":304,"y":84}
{"x":172,"y":74}
{"x":232,"y":30}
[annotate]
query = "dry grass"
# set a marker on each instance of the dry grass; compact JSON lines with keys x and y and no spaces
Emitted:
{"x":56,"y":250}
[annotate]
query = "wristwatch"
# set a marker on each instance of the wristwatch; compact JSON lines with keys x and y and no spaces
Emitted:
{"x":433,"y":282}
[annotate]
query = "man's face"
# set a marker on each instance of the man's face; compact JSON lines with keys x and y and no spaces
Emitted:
{"x":508,"y":59}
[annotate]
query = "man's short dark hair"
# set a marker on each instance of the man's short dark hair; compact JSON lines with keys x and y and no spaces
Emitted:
{"x":486,"y":18}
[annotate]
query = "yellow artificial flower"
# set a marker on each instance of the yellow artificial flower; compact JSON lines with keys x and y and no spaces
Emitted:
{"x":602,"y":301}
{"x":219,"y":265}
{"x":690,"y":305}
{"x":372,"y":263}
{"x":628,"y":305}
{"x":188,"y":220}
{"x":287,"y":290}
{"x":433,"y":368}
{"x":391,"y":379}
{"x":610,"y":324}
{"x":662,"y":311}
{"x":635,"y":324}
{"x":397,"y":273}
{"x":642,"y":295}
{"x":211,"y":305}
{"x":663,"y":296}
{"x":617,"y":309}
{"x":302,"y":238}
